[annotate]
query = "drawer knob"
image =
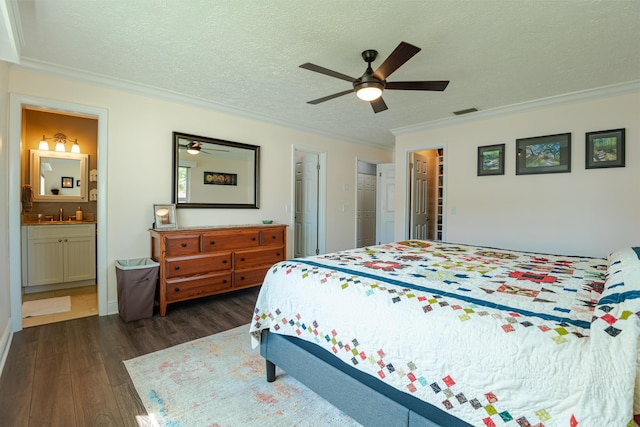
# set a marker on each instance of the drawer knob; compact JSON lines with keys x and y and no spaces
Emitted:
{"x":224,"y":281}
{"x":242,"y":259}
{"x":184,"y":245}
{"x":254,"y":239}
{"x":212,"y":242}
{"x":278,"y":254}
{"x":273,"y":237}
{"x":242,"y":278}
{"x":224,"y":261}
{"x":177,"y":267}
{"x":177,"y":289}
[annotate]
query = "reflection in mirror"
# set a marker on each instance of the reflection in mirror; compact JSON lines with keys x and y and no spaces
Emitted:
{"x":58,"y":177}
{"x":213,"y":173}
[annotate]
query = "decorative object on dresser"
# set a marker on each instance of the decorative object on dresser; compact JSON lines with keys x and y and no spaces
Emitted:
{"x":164,"y":216}
{"x":198,"y":262}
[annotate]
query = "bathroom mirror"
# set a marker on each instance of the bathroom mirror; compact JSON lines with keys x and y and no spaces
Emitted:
{"x":58,"y":176}
{"x":214,"y":173}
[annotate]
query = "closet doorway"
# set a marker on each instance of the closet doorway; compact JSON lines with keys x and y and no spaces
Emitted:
{"x":309,"y":200}
{"x":366,"y":204}
{"x":426,"y":194}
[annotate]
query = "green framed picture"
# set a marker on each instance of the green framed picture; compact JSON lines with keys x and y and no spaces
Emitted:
{"x":605,"y":149}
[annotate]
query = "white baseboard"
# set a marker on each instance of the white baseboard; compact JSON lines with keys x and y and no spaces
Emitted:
{"x":112,"y":307}
{"x":5,"y":344}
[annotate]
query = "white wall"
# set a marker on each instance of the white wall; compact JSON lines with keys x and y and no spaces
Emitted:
{"x":140,"y":163}
{"x":5,"y":311}
{"x":585,"y":212}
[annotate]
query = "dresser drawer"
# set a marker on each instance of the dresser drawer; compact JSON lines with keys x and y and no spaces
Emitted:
{"x":258,"y":257}
{"x":199,"y":264}
{"x":222,"y":241}
{"x":182,"y":245}
{"x":198,"y":286}
{"x":272,"y":237}
{"x":251,"y":277}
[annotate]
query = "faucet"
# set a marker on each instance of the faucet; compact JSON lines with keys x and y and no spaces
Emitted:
{"x":61,"y":216}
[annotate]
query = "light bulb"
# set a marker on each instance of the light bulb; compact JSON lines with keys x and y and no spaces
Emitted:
{"x":44,"y":145}
{"x":369,"y":93}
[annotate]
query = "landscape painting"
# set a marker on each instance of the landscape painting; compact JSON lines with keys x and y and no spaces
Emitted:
{"x":543,"y":154}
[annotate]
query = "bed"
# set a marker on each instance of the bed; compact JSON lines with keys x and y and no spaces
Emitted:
{"x":427,"y":333}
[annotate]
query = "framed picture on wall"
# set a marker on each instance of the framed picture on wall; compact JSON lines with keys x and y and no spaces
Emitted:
{"x":219,"y":178}
{"x":543,"y":154}
{"x":67,"y":182}
{"x":605,"y":149}
{"x":491,"y":160}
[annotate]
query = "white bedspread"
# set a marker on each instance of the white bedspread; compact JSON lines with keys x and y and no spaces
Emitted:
{"x":494,"y":337}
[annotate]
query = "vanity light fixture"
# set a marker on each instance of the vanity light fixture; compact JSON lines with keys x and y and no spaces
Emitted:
{"x":60,"y":139}
{"x":44,"y":145}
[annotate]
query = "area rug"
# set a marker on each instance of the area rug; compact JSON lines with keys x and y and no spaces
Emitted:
{"x":220,"y":381}
{"x":46,"y":306}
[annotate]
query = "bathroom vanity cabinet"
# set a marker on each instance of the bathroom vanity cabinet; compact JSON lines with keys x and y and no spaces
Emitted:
{"x":205,"y":261}
{"x":58,"y":255}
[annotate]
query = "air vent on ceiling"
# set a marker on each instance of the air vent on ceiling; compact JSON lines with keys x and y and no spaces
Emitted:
{"x":467,"y":111}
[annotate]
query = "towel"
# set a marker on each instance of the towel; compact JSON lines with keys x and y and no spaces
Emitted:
{"x":27,"y":198}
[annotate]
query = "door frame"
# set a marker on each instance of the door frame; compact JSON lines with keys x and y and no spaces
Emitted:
{"x":322,"y":195}
{"x":16,"y":102}
{"x":406,"y":195}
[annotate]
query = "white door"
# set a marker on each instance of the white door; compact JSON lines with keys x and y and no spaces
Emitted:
{"x":366,"y":210}
{"x":385,"y":202}
{"x":307,"y":207}
{"x":419,"y":228}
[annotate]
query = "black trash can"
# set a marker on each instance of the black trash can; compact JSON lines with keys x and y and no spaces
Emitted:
{"x":137,"y":279}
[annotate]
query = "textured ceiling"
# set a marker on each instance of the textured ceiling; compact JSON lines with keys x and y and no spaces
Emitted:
{"x":243,"y":56}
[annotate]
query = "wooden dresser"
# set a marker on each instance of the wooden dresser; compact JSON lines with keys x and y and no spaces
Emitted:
{"x":197,"y":262}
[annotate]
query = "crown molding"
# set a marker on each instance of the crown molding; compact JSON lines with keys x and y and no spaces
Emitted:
{"x":168,"y":95}
{"x":11,"y":38}
{"x":584,"y":95}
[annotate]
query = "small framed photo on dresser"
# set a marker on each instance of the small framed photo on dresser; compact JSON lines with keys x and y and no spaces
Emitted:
{"x":605,"y":149}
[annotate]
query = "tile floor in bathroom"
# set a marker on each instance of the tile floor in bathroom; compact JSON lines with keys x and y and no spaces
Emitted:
{"x":84,"y":302}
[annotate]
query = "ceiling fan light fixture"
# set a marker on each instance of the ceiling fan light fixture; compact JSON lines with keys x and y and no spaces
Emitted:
{"x":369,"y":91}
{"x":193,"y":148}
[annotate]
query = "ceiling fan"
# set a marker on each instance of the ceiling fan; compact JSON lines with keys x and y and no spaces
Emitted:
{"x":194,"y":147}
{"x":370,"y":85}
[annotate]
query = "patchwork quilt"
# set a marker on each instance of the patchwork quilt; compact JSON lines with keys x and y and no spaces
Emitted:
{"x":494,"y":337}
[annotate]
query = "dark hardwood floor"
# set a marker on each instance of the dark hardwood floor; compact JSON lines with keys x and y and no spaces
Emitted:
{"x":71,"y":373}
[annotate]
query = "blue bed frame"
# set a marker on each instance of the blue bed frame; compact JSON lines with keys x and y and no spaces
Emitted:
{"x":366,"y":399}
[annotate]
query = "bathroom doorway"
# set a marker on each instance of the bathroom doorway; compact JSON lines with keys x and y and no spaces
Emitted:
{"x":18,"y":145}
{"x":59,"y":196}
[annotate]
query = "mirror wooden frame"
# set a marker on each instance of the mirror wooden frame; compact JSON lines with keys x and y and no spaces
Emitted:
{"x":212,"y":145}
{"x":35,"y":164}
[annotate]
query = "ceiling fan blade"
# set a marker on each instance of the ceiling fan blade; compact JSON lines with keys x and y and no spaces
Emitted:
{"x":327,"y":72}
{"x":438,"y":85}
{"x":399,"y":56}
{"x":378,"y":105}
{"x":327,"y":98}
